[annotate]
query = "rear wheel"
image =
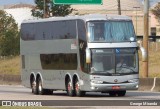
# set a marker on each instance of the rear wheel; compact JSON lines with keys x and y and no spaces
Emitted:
{"x":77,"y":89}
{"x":69,"y":89}
{"x":40,"y":87}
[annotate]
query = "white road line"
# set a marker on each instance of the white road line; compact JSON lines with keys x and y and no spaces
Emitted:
{"x":154,"y":83}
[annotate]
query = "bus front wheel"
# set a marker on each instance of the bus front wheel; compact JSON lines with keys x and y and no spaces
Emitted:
{"x":77,"y":89}
{"x":70,"y":91}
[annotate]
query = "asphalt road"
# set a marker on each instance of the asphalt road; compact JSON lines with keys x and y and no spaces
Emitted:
{"x":21,"y":93}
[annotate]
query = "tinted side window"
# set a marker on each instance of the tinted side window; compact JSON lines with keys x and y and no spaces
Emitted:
{"x":49,"y":30}
{"x":28,"y":31}
{"x":59,"y":61}
{"x":71,"y":29}
{"x":43,"y":30}
{"x":58,"y":30}
{"x":81,"y":30}
{"x":82,"y":45}
{"x":63,"y":30}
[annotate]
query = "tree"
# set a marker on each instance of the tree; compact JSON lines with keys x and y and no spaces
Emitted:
{"x":156,"y":11}
{"x":9,"y":35}
{"x":50,"y":9}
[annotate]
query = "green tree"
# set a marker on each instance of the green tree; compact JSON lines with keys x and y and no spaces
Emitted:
{"x":50,"y":9}
{"x":9,"y":35}
{"x":156,"y":11}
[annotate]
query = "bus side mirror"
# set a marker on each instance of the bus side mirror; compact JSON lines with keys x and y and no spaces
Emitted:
{"x":88,"y":56}
{"x":144,"y":53}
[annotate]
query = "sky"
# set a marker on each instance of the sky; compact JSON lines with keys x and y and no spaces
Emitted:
{"x":6,"y":2}
{"x":152,"y":2}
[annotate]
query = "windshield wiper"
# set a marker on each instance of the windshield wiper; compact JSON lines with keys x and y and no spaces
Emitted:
{"x":127,"y":68}
{"x":102,"y":73}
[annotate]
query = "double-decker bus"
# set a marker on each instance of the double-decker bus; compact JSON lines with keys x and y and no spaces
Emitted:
{"x":78,"y":54}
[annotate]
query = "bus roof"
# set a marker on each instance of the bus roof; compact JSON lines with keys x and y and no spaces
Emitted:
{"x":89,"y":17}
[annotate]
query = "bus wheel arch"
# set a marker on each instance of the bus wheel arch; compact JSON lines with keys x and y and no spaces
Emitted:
{"x":33,"y":84}
{"x":69,"y":86}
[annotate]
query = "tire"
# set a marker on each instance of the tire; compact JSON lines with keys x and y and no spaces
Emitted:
{"x":78,"y":91}
{"x":112,"y":93}
{"x":40,"y":87}
{"x":121,"y":93}
{"x":34,"y":86}
{"x":69,"y":89}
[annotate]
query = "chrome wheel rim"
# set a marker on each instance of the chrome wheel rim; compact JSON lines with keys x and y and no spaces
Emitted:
{"x":69,"y":86}
{"x":40,"y":87}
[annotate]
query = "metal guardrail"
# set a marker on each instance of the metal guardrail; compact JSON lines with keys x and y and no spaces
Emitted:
{"x":10,"y":79}
{"x":149,"y":84}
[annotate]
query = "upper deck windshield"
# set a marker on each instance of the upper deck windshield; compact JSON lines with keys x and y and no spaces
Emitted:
{"x":111,"y":31}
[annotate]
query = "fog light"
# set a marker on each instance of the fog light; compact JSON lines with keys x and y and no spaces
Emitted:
{"x":92,"y":88}
{"x":97,"y":81}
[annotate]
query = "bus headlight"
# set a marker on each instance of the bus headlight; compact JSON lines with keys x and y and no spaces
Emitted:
{"x":137,"y":86}
{"x":96,"y":81}
{"x":133,"y":80}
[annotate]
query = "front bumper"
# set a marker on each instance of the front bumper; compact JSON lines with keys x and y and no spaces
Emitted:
{"x":111,"y":87}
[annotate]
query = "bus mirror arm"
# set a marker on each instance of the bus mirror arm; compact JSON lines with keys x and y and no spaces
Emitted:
{"x":144,"y":52}
{"x":88,"y":56}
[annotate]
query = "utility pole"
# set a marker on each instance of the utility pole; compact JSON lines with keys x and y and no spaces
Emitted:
{"x":136,"y":18}
{"x":145,"y":37}
{"x":119,"y":7}
{"x":44,"y":8}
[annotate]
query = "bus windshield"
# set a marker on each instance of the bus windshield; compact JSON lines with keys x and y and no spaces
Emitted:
{"x":111,"y":31}
{"x":114,"y":61}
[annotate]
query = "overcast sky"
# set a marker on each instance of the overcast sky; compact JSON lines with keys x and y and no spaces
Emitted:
{"x":5,"y":2}
{"x":152,"y":2}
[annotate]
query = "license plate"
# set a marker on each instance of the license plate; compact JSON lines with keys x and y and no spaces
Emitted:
{"x":115,"y":87}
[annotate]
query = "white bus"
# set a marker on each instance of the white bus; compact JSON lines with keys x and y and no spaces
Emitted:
{"x":89,"y":53}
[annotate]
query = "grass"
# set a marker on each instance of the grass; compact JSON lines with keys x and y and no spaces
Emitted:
{"x":11,"y":65}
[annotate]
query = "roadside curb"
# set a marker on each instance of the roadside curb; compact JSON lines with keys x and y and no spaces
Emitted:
{"x":145,"y":83}
{"x":10,"y":79}
{"x":149,"y":84}
{"x":157,"y":85}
